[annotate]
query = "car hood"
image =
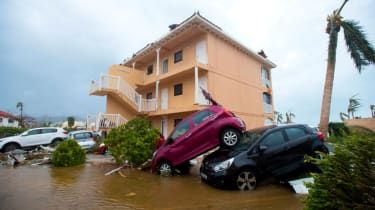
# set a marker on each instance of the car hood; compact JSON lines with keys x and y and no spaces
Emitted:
{"x":220,"y":155}
{"x":10,"y":138}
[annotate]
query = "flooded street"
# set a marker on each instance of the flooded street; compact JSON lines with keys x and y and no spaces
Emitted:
{"x":86,"y":187}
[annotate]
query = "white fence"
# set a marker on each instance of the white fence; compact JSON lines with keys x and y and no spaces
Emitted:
{"x":107,"y":121}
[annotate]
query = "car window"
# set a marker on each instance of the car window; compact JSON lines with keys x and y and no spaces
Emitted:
{"x":181,"y":129}
{"x":201,"y":117}
{"x":274,"y":139}
{"x":49,"y":130}
{"x":295,"y":133}
{"x":80,"y":136}
{"x":34,"y":132}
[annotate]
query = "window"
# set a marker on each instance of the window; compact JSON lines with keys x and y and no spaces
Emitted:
{"x":33,"y":132}
{"x":273,"y":140}
{"x":176,"y":121}
{"x":149,"y":95}
{"x":10,"y":120}
{"x":295,"y":133}
{"x":265,"y":74}
{"x":180,"y":130}
{"x":150,"y":69}
{"x":49,"y":130}
{"x":267,"y":98}
{"x":201,"y":117}
{"x":165,"y":66}
{"x":1,"y":119}
{"x":178,"y":56}
{"x":178,"y":89}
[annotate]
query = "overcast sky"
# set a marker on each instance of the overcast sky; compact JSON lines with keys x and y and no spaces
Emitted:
{"x":51,"y":50}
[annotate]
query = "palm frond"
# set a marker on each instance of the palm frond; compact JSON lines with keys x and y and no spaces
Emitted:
{"x":360,"y":49}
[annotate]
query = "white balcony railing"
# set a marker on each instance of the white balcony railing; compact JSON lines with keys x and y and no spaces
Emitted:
{"x":108,"y":121}
{"x":115,"y":83}
{"x":149,"y":105}
{"x":267,"y":108}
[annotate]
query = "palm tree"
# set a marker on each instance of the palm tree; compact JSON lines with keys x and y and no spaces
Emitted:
{"x":353,"y":105}
{"x":289,"y":116}
{"x":20,"y":107}
{"x":344,"y":116}
{"x":361,"y":51}
{"x":372,"y":107}
{"x":70,"y":121}
{"x":278,"y":117}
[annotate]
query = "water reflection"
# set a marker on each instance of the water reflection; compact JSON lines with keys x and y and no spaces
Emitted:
{"x":86,"y":187}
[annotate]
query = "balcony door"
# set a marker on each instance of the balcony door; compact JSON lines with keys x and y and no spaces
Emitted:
{"x":202,"y":83}
{"x":201,"y":52}
{"x":164,"y":99}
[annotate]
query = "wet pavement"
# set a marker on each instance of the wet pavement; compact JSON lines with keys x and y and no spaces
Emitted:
{"x":86,"y":187}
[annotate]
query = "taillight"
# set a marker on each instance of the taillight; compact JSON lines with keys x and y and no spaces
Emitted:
{"x":65,"y":132}
{"x":320,"y":136}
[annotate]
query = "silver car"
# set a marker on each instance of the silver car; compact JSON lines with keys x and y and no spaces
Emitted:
{"x":84,"y":138}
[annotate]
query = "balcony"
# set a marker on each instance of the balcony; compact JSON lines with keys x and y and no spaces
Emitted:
{"x":267,"y":108}
{"x":114,"y":84}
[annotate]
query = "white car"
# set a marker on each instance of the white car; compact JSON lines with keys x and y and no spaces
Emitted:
{"x":85,"y":139}
{"x":33,"y":137}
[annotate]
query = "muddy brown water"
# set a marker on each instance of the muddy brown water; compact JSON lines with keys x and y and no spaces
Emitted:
{"x":86,"y":187}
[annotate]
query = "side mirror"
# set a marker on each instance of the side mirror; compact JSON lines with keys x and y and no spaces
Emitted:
{"x":262,"y":148}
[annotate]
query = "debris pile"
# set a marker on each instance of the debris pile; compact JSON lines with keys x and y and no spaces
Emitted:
{"x":39,"y":156}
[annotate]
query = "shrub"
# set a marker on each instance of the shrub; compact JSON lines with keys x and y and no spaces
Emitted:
{"x":135,"y":141}
{"x":68,"y":153}
{"x":338,"y":129}
{"x":348,"y":177}
{"x":10,"y":131}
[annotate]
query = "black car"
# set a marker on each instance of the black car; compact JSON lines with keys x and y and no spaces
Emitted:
{"x":266,"y":151}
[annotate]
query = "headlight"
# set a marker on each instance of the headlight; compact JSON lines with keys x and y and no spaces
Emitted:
{"x":223,"y":165}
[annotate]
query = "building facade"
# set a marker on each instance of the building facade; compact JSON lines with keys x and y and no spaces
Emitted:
{"x":8,"y":120}
{"x":163,"y":80}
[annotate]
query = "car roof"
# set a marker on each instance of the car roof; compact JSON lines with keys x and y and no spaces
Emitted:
{"x":80,"y":131}
{"x":264,"y":128}
{"x":45,"y":128}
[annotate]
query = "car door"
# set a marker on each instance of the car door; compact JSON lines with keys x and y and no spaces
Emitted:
{"x":299,"y":144}
{"x":47,"y":135}
{"x":202,"y":135}
{"x":178,"y":141}
{"x":273,"y":159}
{"x":31,"y":138}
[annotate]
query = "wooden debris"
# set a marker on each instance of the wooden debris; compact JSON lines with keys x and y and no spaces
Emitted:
{"x":115,"y":170}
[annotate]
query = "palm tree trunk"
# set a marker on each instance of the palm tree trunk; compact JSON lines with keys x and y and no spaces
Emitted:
{"x":330,"y":74}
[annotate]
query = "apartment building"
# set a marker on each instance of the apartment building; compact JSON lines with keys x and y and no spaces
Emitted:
{"x":163,"y":80}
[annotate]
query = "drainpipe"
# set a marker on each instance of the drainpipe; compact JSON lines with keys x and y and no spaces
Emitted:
{"x":157,"y":61}
{"x":133,"y":65}
{"x":196,"y":86}
{"x":157,"y":93}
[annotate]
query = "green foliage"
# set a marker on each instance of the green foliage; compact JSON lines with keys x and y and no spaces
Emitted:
{"x":68,"y":153}
{"x":135,"y":141}
{"x":10,"y":131}
{"x":338,"y":129}
{"x":70,"y":121}
{"x":348,"y":177}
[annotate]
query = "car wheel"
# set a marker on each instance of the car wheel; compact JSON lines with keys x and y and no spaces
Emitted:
{"x":230,"y":137}
{"x":317,"y":154}
{"x":10,"y":147}
{"x":56,"y":142}
{"x":246,"y":180}
{"x":165,"y":169}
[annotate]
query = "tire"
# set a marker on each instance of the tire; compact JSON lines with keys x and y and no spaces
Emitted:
{"x":229,"y":137}
{"x":246,"y":180}
{"x":56,"y":142}
{"x":165,"y":169}
{"x":317,"y":153}
{"x":10,"y":147}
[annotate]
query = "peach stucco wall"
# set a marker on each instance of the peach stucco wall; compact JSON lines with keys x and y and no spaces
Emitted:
{"x":368,"y":123}
{"x":235,"y":81}
{"x":116,"y":106}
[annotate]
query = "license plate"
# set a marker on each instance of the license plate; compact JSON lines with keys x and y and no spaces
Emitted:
{"x":204,"y":176}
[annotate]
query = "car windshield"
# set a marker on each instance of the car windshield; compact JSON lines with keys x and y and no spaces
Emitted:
{"x":249,"y":137}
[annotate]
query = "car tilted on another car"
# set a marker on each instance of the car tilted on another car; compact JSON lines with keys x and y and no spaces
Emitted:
{"x":267,"y":151}
{"x":32,"y":138}
{"x":84,"y":138}
{"x":195,"y":135}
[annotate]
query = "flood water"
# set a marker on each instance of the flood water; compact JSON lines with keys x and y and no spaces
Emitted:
{"x":86,"y":187}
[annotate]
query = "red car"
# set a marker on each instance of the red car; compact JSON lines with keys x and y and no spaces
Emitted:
{"x":197,"y":134}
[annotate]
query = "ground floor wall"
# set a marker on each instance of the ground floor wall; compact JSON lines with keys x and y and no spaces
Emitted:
{"x":169,"y":120}
{"x":368,"y":123}
{"x":115,"y":106}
